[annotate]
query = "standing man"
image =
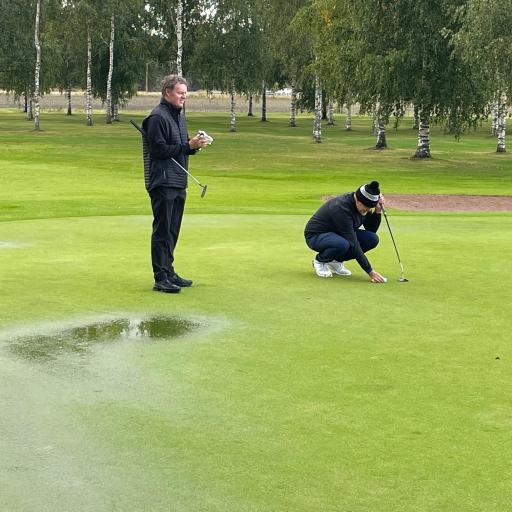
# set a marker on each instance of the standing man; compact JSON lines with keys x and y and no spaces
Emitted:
{"x":167,"y":137}
{"x":334,"y":232}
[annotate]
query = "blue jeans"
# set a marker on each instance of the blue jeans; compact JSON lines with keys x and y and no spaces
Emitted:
{"x":331,"y":246}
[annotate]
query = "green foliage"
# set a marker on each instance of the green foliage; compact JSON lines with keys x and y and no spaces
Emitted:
{"x":230,"y":47}
{"x":17,"y":55}
{"x":393,"y":53}
{"x":129,"y":53}
{"x":159,"y":32}
{"x":485,"y":42}
{"x":450,"y":58}
{"x":289,"y":51}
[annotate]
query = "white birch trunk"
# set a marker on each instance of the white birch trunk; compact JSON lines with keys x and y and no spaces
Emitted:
{"x":381,"y":138}
{"x":348,"y":118}
{"x":263,"y":102}
{"x":416,"y":115}
{"x":502,"y":120}
{"x":179,"y":38}
{"x":293,"y":106}
{"x":232,"y":125}
{"x":108,"y":108}
{"x":88,"y":92}
{"x":423,"y":147}
{"x":374,"y":122}
{"x":38,"y":68}
{"x":380,"y":129}
{"x":500,"y":126}
{"x":494,"y":118}
{"x":317,"y":123}
{"x":330,"y":112}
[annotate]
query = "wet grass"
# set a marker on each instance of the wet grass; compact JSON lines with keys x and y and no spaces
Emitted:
{"x":80,"y":340}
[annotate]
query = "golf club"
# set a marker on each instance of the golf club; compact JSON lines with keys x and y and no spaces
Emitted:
{"x":402,"y":278}
{"x":203,"y":187}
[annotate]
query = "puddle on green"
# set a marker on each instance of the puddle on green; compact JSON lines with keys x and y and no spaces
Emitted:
{"x":80,"y":340}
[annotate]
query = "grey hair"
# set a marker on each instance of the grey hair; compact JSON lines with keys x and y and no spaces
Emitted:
{"x":170,"y":81}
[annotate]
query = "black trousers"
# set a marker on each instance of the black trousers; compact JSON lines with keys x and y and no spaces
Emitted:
{"x":168,"y":205}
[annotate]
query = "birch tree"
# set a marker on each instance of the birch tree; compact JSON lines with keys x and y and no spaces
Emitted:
{"x":228,"y":49}
{"x":88,"y":90}
{"x":293,"y":104}
{"x":380,"y":128}
{"x":232,"y":124}
{"x":394,"y":53}
{"x":317,"y":123}
{"x":119,"y":64}
{"x":330,"y":112}
{"x":264,"y":102}
{"x":64,"y":35}
{"x":501,"y":119}
{"x":423,"y":145}
{"x":426,"y":70}
{"x":348,"y":114}
{"x":179,"y":38}
{"x":108,"y":103}
{"x":306,"y":25}
{"x":37,"y":90}
{"x":290,"y":48}
{"x":17,"y":55}
{"x":87,"y":22}
{"x":485,"y":43}
{"x":171,"y":25}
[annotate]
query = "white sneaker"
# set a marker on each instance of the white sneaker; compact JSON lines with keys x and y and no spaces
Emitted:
{"x":321,"y":269}
{"x":338,"y":268}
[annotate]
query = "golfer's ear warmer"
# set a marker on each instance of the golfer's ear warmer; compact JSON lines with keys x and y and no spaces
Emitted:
{"x":369,"y":194}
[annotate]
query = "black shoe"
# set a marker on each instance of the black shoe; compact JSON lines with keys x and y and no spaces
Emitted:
{"x":179,"y":281}
{"x":166,"y":286}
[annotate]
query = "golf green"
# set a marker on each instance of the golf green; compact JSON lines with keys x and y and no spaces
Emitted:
{"x":278,"y":390}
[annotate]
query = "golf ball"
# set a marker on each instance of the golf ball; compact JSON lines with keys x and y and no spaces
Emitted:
{"x":385,"y":279}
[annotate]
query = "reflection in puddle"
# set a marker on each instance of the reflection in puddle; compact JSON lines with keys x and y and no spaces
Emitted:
{"x":79,"y":340}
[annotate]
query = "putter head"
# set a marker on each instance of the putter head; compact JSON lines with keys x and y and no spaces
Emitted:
{"x":403,"y":280}
{"x":203,"y":192}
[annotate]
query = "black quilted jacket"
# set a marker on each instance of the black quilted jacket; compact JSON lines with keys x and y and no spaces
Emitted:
{"x":166,"y":136}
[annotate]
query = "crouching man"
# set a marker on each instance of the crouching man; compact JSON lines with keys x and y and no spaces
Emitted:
{"x":335,"y":233}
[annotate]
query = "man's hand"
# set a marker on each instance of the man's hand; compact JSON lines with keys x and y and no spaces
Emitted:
{"x":378,"y":208}
{"x":197,"y":142}
{"x":376,"y":277}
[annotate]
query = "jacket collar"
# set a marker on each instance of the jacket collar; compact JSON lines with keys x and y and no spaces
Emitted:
{"x":172,"y":108}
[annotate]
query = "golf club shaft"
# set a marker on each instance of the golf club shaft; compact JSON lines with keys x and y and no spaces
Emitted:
{"x":183,"y":169}
{"x":392,"y":238}
{"x":177,"y":163}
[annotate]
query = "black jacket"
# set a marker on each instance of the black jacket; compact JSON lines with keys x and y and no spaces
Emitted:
{"x":340,"y":215}
{"x":166,"y":135}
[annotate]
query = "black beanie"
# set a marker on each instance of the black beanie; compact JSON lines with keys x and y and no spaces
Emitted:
{"x":369,"y":194}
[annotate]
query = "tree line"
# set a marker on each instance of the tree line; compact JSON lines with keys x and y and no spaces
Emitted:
{"x":448,"y":60}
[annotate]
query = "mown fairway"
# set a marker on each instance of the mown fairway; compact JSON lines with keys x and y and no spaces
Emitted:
{"x":290,"y":393}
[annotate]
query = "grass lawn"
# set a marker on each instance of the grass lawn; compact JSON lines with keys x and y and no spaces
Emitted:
{"x":289,"y":393}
